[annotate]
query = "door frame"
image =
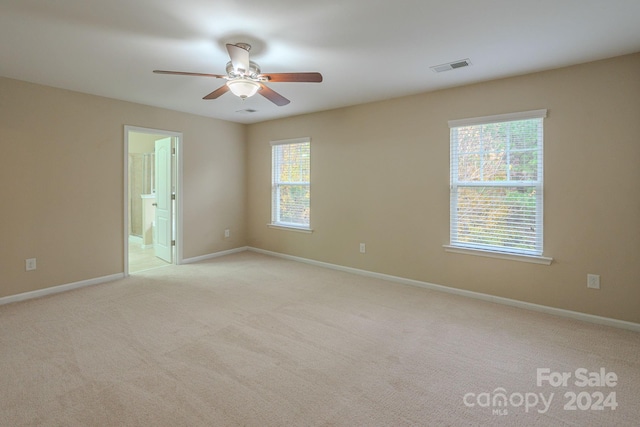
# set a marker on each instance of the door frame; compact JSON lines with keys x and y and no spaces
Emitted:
{"x":177,"y":220}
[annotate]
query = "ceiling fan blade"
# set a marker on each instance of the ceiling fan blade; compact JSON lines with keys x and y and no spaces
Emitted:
{"x":185,"y":73}
{"x":239,"y":58}
{"x":216,"y":93}
{"x":294,"y":77}
{"x":273,"y":96}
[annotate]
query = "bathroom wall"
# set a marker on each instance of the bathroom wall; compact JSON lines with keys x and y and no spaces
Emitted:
{"x":141,"y":175}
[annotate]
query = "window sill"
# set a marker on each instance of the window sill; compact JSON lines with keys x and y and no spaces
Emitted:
{"x":291,"y":228}
{"x":500,"y":255}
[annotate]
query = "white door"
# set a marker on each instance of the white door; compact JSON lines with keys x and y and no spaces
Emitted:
{"x":163,"y":229}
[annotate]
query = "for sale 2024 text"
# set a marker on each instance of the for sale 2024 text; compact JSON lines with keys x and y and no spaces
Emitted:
{"x":582,"y":378}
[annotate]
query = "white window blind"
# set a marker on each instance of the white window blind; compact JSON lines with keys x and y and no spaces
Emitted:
{"x":291,"y":174}
{"x":497,"y":183}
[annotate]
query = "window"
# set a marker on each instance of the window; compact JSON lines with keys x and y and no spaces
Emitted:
{"x":291,"y":195}
{"x":497,"y":183}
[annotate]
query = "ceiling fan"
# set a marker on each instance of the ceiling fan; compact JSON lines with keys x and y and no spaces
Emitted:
{"x":244,"y":78}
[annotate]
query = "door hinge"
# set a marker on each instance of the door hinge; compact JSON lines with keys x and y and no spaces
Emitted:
{"x":173,"y":243}
{"x":173,"y":197}
{"x":173,"y":151}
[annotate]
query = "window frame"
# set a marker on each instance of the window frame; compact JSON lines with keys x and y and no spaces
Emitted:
{"x":503,"y":252}
{"x":276,"y":221}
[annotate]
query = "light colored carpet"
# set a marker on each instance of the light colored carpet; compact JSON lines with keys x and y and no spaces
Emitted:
{"x":252,"y":340}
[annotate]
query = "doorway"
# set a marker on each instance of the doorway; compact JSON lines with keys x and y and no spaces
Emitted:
{"x":152,"y":231}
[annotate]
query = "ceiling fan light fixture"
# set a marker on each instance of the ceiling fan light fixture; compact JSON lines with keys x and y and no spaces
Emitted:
{"x":243,"y":88}
{"x":244,"y":78}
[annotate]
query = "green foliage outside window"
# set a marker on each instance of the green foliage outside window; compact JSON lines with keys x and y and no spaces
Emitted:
{"x":291,"y":183}
{"x":496,"y":180}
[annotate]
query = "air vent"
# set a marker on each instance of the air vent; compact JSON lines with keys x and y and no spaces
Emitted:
{"x":451,"y":65}
{"x":247,"y":111}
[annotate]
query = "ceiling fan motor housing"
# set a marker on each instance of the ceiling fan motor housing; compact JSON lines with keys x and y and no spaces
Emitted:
{"x":253,"y":72}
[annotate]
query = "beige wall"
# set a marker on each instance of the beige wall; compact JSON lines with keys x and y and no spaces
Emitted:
{"x":62,"y":183}
{"x":380,"y":175}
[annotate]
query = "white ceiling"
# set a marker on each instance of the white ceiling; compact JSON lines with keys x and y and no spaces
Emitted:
{"x":367,"y":50}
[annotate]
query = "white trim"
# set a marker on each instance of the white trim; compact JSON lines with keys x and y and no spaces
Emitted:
{"x":290,"y":228}
{"x":179,"y":207}
{"x":500,"y":255}
{"x":302,"y":140}
{"x":509,"y":117}
{"x":481,"y":243}
{"x":125,"y":192}
{"x":61,"y":288}
{"x":214,"y":255}
{"x":179,"y":164}
{"x":276,"y":184}
{"x":607,"y":321}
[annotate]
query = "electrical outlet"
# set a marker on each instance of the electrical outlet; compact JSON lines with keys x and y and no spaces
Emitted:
{"x":363,"y":248}
{"x":593,"y":281}
{"x":227,"y":233}
{"x":30,"y":264}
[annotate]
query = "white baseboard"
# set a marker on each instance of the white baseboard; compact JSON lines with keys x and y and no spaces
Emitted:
{"x":622,"y":324}
{"x":213,"y":255}
{"x":61,"y":288}
{"x":470,"y":294}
